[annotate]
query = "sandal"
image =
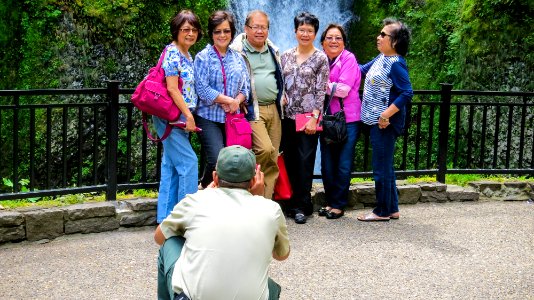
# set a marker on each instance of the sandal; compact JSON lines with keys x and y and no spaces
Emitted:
{"x":394,"y":216}
{"x":323,"y":211}
{"x":371,"y":217}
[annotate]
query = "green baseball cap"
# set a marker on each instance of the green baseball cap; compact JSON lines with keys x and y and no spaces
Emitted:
{"x":236,"y":164}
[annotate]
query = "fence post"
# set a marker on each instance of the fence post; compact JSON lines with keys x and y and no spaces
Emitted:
{"x":444,"y":122}
{"x":112,"y":133}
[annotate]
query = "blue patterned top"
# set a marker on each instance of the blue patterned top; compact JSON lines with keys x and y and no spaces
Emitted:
{"x":386,"y":82}
{"x":209,"y":81}
{"x":177,"y":64}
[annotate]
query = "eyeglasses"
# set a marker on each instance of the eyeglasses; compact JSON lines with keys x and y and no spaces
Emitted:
{"x":189,"y":30}
{"x":332,"y":38}
{"x":302,"y":32}
{"x":383,"y":34}
{"x":258,"y":28}
{"x":219,"y":32}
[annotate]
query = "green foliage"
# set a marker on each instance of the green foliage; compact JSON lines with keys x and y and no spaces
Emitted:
{"x":473,"y":44}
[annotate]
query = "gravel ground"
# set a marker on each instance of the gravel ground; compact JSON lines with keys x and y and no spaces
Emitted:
{"x":481,"y":250}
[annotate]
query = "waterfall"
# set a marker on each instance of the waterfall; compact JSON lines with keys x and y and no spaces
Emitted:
{"x":282,"y":12}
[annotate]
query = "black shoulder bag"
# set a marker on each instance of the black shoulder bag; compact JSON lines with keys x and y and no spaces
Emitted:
{"x":334,"y":126}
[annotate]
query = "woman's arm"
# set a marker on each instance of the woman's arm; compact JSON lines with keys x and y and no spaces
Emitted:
{"x":365,"y":68}
{"x":178,"y":99}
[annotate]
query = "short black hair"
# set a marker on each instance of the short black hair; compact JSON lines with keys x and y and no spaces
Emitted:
{"x":217,"y":18}
{"x":400,"y":35}
{"x":338,"y":27}
{"x":306,"y":18}
{"x":182,"y":17}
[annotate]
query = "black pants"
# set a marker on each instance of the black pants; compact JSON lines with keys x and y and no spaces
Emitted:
{"x":299,"y":154}
{"x":212,"y":140}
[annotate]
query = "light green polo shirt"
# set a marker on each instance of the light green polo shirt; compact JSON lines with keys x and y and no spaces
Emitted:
{"x":263,"y":70}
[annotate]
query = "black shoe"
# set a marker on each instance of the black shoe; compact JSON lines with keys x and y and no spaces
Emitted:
{"x":333,"y":215}
{"x":300,"y":217}
{"x":322,"y":211}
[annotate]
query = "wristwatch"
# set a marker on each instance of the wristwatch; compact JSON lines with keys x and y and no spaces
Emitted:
{"x":384,"y":119}
{"x":315,"y":115}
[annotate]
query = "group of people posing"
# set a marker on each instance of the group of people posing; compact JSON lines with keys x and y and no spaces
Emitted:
{"x":247,"y":74}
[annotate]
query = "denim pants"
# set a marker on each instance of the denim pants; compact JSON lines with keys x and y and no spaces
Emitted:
{"x":383,"y":143}
{"x":169,"y":253}
{"x":179,"y":169}
{"x":299,"y":154}
{"x":337,"y":161}
{"x":212,"y":140}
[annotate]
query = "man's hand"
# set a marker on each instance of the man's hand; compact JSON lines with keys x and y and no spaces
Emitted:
{"x":159,"y":238}
{"x":258,"y":186}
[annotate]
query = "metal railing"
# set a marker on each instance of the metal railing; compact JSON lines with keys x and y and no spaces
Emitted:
{"x":80,"y":146}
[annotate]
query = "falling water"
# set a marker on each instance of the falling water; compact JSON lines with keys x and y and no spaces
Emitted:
{"x":282,"y":12}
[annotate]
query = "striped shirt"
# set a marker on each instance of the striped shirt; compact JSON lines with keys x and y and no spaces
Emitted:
{"x":376,"y":90}
{"x":209,"y":81}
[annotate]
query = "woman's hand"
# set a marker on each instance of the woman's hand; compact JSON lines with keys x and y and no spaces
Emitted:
{"x":233,"y":105}
{"x":383,"y":122}
{"x":311,"y":126}
{"x":190,"y":125}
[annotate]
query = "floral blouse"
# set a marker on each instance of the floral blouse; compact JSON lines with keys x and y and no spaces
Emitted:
{"x":176,"y":64}
{"x":305,"y":84}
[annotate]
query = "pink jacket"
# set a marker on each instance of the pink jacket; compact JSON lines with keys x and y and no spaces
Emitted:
{"x":346,"y":73}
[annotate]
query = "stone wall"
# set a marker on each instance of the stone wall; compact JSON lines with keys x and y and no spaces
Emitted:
{"x":48,"y":223}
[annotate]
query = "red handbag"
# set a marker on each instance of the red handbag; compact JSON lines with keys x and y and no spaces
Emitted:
{"x":282,"y":188}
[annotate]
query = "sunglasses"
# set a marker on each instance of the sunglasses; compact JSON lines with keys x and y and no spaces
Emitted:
{"x":219,"y":32}
{"x":383,"y":34}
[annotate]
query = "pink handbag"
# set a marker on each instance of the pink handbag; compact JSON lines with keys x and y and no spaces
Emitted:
{"x":236,"y":126}
{"x":238,"y":130}
{"x":151,"y":97}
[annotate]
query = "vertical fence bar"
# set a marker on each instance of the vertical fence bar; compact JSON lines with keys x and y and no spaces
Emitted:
{"x":112,"y":138}
{"x":32,"y":149}
{"x":443,"y":134}
{"x":80,"y":146}
{"x":457,"y":136}
{"x":469,"y":160}
{"x":95,"y":145}
{"x":65,"y":119}
{"x":48,"y":145}
{"x":144,"y":156}
{"x":405,"y":137}
{"x":129,"y":143}
{"x":430,"y":136}
{"x":509,"y":135}
{"x":418,"y":136}
{"x":496,"y":137}
{"x":522,"y":136}
{"x":483,"y":137}
{"x":16,"y":145}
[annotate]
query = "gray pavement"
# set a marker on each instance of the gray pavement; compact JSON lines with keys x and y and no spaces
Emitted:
{"x":481,"y":250}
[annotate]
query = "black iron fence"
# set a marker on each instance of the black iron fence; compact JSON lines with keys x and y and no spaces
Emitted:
{"x":92,"y":140}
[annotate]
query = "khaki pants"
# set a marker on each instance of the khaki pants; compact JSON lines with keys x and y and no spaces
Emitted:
{"x":266,"y":136}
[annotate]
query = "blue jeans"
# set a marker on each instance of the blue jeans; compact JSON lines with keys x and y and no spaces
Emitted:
{"x":179,"y":169}
{"x":336,"y":165}
{"x":212,"y":140}
{"x":383,"y":143}
{"x":169,"y":253}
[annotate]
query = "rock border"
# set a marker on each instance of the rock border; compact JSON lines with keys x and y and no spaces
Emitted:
{"x":42,"y":224}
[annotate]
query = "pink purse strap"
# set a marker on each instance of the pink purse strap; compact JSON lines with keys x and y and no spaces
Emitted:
{"x":168,"y":130}
{"x":222,"y":69}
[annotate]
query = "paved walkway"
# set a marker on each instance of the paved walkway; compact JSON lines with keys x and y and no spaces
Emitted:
{"x":481,"y":250}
